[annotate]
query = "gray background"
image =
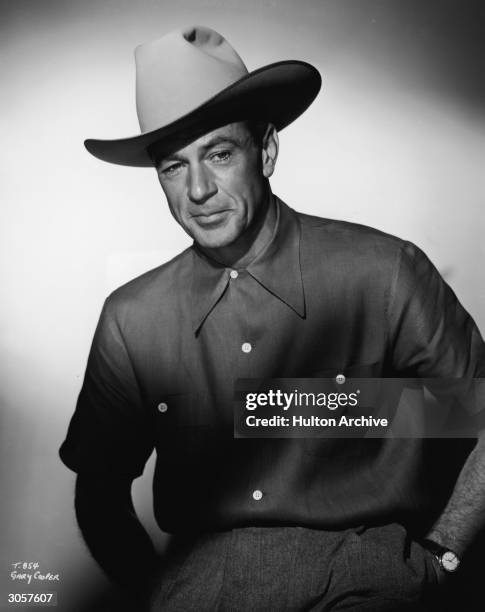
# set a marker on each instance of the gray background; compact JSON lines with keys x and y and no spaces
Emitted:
{"x":395,"y":140}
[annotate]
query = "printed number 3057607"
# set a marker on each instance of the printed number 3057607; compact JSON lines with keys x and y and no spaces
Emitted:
{"x":31,"y":598}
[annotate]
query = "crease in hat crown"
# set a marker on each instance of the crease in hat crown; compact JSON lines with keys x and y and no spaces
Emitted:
{"x":180,"y":71}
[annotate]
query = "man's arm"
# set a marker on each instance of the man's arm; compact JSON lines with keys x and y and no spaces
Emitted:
{"x":113,"y":533}
{"x":433,"y":337}
{"x":108,"y":443}
{"x":464,"y":515}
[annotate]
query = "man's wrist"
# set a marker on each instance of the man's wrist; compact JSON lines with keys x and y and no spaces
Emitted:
{"x":441,"y":538}
{"x":449,"y":538}
{"x":449,"y":561}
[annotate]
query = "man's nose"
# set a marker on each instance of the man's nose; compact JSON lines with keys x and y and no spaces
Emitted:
{"x":201,"y":185}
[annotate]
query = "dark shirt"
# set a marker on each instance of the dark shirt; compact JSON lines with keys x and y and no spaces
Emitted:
{"x":323,"y":297}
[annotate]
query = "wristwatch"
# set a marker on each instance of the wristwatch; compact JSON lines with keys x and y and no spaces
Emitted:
{"x":448,"y":559}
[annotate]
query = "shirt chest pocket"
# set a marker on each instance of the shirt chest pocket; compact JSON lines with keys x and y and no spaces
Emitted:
{"x":358,"y":370}
{"x":185,"y":427}
{"x":181,"y":410}
{"x":348,"y":381}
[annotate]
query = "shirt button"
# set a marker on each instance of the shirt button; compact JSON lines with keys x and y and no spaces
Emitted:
{"x":246,"y":347}
{"x":257,"y":495}
{"x":162,"y":407}
{"x":233,"y":273}
{"x":340,"y":378}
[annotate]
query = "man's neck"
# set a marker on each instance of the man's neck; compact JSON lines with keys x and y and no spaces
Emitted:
{"x":245,"y":249}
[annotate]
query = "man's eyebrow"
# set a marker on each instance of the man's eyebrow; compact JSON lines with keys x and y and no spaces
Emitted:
{"x":171,"y":157}
{"x":215,"y":140}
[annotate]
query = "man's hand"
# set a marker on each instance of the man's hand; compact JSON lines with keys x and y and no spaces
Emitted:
{"x":113,"y":533}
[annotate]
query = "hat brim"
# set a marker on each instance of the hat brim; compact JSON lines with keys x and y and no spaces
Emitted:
{"x":277,"y":93}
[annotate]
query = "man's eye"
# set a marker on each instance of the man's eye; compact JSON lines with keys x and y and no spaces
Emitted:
{"x":171,"y":170}
{"x":220,"y":156}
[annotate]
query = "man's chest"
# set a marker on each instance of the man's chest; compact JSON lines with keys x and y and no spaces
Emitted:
{"x":251,"y":333}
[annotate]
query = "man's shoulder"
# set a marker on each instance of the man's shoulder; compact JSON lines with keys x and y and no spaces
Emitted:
{"x":349,"y":238}
{"x":359,"y":251}
{"x":348,"y":230}
{"x":156,"y":286}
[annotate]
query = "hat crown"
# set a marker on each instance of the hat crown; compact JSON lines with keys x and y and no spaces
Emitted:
{"x":181,"y":71}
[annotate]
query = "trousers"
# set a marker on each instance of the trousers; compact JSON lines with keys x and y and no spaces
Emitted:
{"x":277,"y":569}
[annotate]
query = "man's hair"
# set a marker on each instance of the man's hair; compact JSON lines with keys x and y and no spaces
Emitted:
{"x":257,"y":128}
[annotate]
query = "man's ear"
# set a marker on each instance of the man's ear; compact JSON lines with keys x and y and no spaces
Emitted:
{"x":270,"y":150}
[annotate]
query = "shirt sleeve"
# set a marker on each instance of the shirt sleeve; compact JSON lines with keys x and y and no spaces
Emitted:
{"x":109,"y":432}
{"x":431,"y":334}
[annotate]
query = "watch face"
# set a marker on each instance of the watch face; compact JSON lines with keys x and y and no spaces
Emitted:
{"x":449,"y":561}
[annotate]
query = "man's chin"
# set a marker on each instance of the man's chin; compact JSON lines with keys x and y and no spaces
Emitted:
{"x":206,"y":241}
{"x":215,"y":238}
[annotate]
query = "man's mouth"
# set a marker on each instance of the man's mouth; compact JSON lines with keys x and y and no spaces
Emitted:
{"x":211,"y":218}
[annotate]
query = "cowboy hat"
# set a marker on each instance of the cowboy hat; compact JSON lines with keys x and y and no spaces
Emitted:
{"x":191,"y":81}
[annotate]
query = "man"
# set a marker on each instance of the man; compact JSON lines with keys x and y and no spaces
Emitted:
{"x":264,"y":292}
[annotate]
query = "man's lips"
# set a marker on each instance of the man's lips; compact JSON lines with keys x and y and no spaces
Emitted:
{"x":211,"y":218}
{"x":210,"y":213}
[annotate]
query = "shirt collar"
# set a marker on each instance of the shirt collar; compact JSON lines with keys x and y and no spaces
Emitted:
{"x":276,"y":268}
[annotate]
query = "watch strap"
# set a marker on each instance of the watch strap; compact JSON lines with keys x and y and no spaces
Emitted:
{"x":433,"y":547}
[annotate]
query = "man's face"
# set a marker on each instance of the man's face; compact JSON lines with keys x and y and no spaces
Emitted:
{"x":215,"y":185}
